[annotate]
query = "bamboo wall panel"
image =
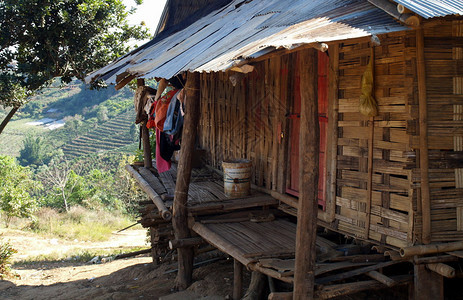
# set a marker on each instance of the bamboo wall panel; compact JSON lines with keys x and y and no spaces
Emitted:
{"x":244,"y":121}
{"x":444,"y":61}
{"x":390,"y":214}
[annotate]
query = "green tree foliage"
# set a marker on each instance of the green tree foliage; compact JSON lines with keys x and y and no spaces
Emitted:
{"x":97,"y":183}
{"x":44,"y":39}
{"x":15,"y":187}
{"x":34,"y":151}
{"x":102,"y":114}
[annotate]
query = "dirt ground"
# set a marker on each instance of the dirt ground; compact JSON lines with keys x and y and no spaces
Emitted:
{"x":132,"y":278}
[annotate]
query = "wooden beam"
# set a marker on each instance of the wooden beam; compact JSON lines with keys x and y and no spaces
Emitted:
{"x":434,"y":259}
{"x":338,"y":290}
{"x":355,"y":272}
{"x":280,"y":296}
{"x":188,"y":242}
{"x":180,"y":211}
{"x":423,"y":123}
{"x":308,"y":178}
{"x":126,"y":80}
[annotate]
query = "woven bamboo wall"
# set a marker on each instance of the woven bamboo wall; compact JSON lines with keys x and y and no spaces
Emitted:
{"x":377,"y":179}
{"x":444,"y":81}
{"x":242,"y":121}
{"x":376,"y":149}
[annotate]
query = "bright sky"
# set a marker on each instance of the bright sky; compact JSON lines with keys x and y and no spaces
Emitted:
{"x":150,"y":12}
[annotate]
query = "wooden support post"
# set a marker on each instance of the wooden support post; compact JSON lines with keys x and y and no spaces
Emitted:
{"x":237,"y":279}
{"x":428,"y":284}
{"x":424,"y":161}
{"x":308,"y":179}
{"x":256,"y":286}
{"x":145,"y":136}
{"x":180,"y":211}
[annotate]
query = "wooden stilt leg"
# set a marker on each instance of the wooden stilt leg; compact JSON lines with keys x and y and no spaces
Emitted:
{"x":180,"y":210}
{"x":308,"y":179}
{"x":428,"y":284}
{"x":237,"y":280}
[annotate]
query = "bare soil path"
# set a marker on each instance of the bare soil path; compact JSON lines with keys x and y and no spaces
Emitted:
{"x":133,"y":278}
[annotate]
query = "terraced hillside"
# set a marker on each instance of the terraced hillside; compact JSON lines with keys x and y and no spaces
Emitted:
{"x":108,"y":136}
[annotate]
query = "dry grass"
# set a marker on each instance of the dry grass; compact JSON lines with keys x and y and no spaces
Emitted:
{"x":79,"y":223}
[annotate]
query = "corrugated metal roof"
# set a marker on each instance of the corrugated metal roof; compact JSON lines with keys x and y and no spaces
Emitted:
{"x":248,"y":29}
{"x":433,"y":8}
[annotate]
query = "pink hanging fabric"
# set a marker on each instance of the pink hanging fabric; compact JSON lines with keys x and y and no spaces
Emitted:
{"x":161,"y":164}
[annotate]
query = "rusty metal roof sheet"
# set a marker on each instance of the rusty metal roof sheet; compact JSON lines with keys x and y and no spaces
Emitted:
{"x":433,"y":8}
{"x":248,"y":29}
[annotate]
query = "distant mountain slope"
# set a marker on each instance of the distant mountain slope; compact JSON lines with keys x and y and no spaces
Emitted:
{"x":108,"y":136}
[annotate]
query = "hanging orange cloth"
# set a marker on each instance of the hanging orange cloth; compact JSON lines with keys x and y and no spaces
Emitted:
{"x":368,"y":106}
{"x":161,"y":109}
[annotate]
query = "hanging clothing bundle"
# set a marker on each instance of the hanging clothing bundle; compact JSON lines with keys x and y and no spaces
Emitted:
{"x":166,"y":116}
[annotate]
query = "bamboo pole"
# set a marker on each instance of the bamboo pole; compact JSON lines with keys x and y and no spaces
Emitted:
{"x":389,"y":282}
{"x":371,"y":124}
{"x":165,"y":213}
{"x":180,"y":219}
{"x":308,"y":179}
{"x":424,"y":160}
{"x":442,"y":269}
{"x":431,"y":249}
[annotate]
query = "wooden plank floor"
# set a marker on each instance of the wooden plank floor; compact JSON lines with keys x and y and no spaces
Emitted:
{"x":247,"y":241}
{"x":206,"y":190}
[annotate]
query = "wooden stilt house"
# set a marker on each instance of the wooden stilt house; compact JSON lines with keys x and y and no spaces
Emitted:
{"x":280,"y":83}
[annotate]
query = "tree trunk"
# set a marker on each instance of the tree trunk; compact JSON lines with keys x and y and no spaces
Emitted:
{"x":8,"y":118}
{"x":63,"y":193}
{"x":180,"y":211}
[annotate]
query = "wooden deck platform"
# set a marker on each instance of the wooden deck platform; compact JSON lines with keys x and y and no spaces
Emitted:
{"x":205,"y":194}
{"x":265,"y":245}
{"x":248,"y":241}
{"x":269,"y":248}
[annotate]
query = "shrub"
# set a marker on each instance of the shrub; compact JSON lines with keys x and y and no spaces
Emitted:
{"x":15,"y":200}
{"x":6,"y":252}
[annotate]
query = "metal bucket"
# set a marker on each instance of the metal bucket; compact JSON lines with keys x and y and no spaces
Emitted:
{"x":237,"y":177}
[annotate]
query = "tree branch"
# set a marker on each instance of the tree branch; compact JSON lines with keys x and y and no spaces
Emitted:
{"x":8,"y":118}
